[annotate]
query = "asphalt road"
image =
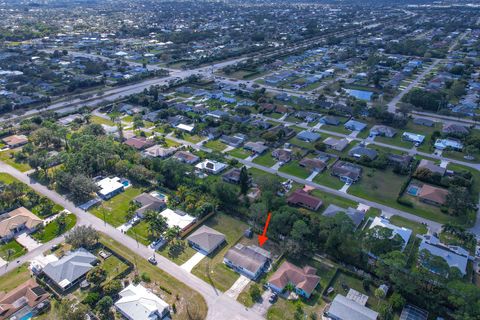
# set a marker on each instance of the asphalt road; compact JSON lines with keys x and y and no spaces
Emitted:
{"x":219,"y":305}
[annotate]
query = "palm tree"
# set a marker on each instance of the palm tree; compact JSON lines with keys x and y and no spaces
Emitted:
{"x":10,"y":252}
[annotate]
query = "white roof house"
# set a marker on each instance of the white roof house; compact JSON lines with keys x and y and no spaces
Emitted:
{"x":413,"y":137}
{"x":178,"y":219}
{"x":185,"y":127}
{"x":139,"y":303}
{"x":403,"y":232}
{"x":211,"y":166}
{"x":108,"y":187}
{"x":442,"y":144}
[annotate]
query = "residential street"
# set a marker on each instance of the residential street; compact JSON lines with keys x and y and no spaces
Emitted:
{"x":219,"y":305}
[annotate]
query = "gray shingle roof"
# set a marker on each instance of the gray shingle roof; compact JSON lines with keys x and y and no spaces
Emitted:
{"x":346,"y":309}
{"x":207,"y":238}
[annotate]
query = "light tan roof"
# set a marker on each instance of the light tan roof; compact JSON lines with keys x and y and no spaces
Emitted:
{"x":18,"y":217}
{"x":15,"y":140}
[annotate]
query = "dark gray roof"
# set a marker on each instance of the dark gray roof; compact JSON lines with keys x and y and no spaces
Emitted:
{"x":355,"y":215}
{"x":71,"y":267}
{"x":207,"y":238}
{"x":361,"y":151}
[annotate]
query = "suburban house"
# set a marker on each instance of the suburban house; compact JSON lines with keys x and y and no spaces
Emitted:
{"x":110,"y":187}
{"x":139,"y":303}
{"x":211,"y":166}
{"x":158,"y":151}
{"x":355,"y":215}
{"x":185,"y":127}
{"x":206,"y":239}
{"x":330,"y":120}
{"x":251,"y":261}
{"x":233,"y":176}
{"x":452,"y":128}
{"x":336,"y":144}
{"x":186,"y":157}
{"x":401,"y":160}
{"x":423,"y":122}
{"x":433,"y":195}
{"x":361,"y":151}
{"x":403,"y":232}
{"x":15,"y":141}
{"x":455,"y":256}
{"x":343,"y":308}
{"x":312,"y":164}
{"x":304,"y":280}
{"x":413,"y":137}
{"x":16,"y":221}
{"x":26,"y":298}
{"x":383,"y":131}
{"x":304,"y":199}
{"x":70,"y":270}
{"x":442,"y":144}
{"x":354,"y":125}
{"x":178,"y":219}
{"x":255,"y":147}
{"x":346,"y":171}
{"x":233,"y":141}
{"x":431,"y":166}
{"x":147,"y":201}
{"x":139,"y":143}
{"x":308,"y":136}
{"x":282,"y":155}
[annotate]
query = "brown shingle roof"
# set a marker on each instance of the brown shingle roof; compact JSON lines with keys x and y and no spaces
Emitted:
{"x":305,"y":279}
{"x":300,"y":197}
{"x":29,"y":293}
{"x":434,"y":194}
{"x":16,"y":218}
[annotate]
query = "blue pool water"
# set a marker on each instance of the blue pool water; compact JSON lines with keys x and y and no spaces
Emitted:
{"x":413,"y":190}
{"x":28,"y":316}
{"x":360,"y":94}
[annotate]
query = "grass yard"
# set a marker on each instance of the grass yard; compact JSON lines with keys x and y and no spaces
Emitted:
{"x":212,"y":269}
{"x":16,"y":250}
{"x":239,"y":153}
{"x":116,"y":208}
{"x":215,"y":145}
{"x":294,"y":169}
{"x":303,"y":144}
{"x":396,"y":141}
{"x":328,"y":199}
{"x":51,"y":230}
{"x":14,"y":278}
{"x":6,"y":178}
{"x":416,"y":227}
{"x":178,"y":251}
{"x":7,"y":157}
{"x":265,"y":160}
{"x":140,"y":233}
{"x":189,"y":301}
{"x":326,"y":179}
{"x":381,"y":186}
{"x":258,"y":174}
{"x":192,"y":138}
{"x":100,"y":120}
{"x":338,"y":129}
{"x":113,"y":266}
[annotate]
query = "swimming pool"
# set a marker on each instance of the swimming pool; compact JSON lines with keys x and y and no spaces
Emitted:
{"x":28,"y":316}
{"x":413,"y":190}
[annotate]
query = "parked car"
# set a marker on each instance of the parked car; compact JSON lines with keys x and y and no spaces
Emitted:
{"x":273,"y":298}
{"x":152,"y":260}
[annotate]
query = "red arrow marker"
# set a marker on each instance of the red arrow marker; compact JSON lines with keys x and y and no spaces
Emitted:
{"x":262,"y":238}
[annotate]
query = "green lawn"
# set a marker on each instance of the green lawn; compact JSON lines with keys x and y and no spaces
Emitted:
{"x":116,"y":208}
{"x":100,"y":120}
{"x":14,"y":278}
{"x":6,"y":178}
{"x":294,"y":169}
{"x":239,"y":153}
{"x":326,"y":179}
{"x":178,"y":251}
{"x":396,"y":141}
{"x":328,"y":199}
{"x":51,"y":230}
{"x":344,"y":279}
{"x":7,"y":157}
{"x":338,"y":129}
{"x":18,"y":250}
{"x":113,"y":266}
{"x":303,"y":144}
{"x":265,"y":160}
{"x":416,"y":227}
{"x":140,"y":233}
{"x":192,"y":138}
{"x":212,"y":269}
{"x":215,"y":145}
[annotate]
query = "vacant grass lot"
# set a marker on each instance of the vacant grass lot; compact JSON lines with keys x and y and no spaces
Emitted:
{"x":294,"y":169}
{"x":116,"y":208}
{"x":140,"y":233}
{"x":187,"y":297}
{"x":328,"y":199}
{"x":215,"y":145}
{"x":113,"y":266}
{"x":100,"y":120}
{"x":11,"y":250}
{"x":14,"y":278}
{"x":51,"y":230}
{"x":239,"y":153}
{"x":178,"y":251}
{"x":212,"y":269}
{"x":7,"y":157}
{"x":265,"y":160}
{"x":326,"y":179}
{"x":416,"y":227}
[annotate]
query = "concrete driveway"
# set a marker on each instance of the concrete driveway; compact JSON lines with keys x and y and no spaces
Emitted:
{"x":193,"y":261}
{"x":263,"y":305}
{"x":28,"y":242}
{"x":237,"y":287}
